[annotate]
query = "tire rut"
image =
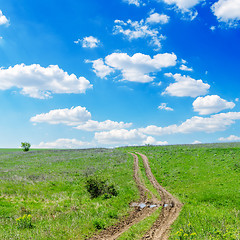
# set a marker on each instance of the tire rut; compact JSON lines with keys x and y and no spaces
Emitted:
{"x":170,"y":211}
{"x":113,"y":232}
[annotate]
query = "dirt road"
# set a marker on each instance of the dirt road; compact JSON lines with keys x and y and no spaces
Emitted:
{"x":170,"y":209}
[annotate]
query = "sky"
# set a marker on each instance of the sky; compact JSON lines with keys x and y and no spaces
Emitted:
{"x":81,"y":74}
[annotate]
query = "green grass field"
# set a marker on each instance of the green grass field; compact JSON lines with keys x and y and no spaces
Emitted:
{"x":206,"y":178}
{"x":49,"y":185}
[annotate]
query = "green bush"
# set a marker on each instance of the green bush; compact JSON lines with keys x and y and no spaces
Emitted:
{"x":97,"y":187}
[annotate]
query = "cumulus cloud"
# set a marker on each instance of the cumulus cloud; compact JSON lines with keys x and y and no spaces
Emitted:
{"x":88,"y":42}
{"x":227,"y":11}
{"x":78,"y":117}
{"x":3,"y":19}
{"x":138,"y":67}
{"x":120,"y":136}
{"x":39,"y":82}
{"x":186,"y":86}
{"x":93,"y":126}
{"x":101,"y":69}
{"x":185,"y":68}
{"x":157,"y":18}
{"x":211,"y":104}
{"x":134,"y":2}
{"x":163,"y":106}
{"x":152,"y":141}
{"x":64,"y":143}
{"x":231,"y":138}
{"x":128,"y":137}
{"x":214,"y":123}
{"x":70,"y":117}
{"x":185,"y":6}
{"x":143,"y":29}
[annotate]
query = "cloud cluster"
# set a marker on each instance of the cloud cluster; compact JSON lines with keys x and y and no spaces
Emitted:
{"x":227,"y":11}
{"x":217,"y":122}
{"x":88,"y":42}
{"x":186,"y":86}
{"x":211,"y":104}
{"x":79,"y":118}
{"x":64,"y":143}
{"x":136,"y":68}
{"x":134,"y":2}
{"x":93,"y":126}
{"x":39,"y":82}
{"x":231,"y":138}
{"x":185,"y":6}
{"x":70,"y":117}
{"x":143,"y":28}
{"x":3,"y":19}
{"x":128,"y":137}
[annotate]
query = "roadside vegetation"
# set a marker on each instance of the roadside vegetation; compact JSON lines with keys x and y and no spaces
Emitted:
{"x":205,"y":178}
{"x":44,"y":194}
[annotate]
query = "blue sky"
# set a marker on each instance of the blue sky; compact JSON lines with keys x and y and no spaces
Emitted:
{"x":78,"y":74}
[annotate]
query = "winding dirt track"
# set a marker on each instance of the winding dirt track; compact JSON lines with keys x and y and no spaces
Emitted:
{"x":170,"y":210}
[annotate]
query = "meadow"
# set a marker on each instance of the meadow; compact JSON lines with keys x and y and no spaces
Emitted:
{"x":43,"y":193}
{"x":205,"y":178}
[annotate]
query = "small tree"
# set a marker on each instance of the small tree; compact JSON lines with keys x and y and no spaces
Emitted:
{"x":25,"y":146}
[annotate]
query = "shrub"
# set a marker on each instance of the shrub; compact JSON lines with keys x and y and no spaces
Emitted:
{"x":99,"y":224}
{"x":25,"y":146}
{"x":97,"y":187}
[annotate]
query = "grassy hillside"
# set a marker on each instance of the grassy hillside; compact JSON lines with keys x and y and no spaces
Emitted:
{"x":48,"y":186}
{"x":206,"y":178}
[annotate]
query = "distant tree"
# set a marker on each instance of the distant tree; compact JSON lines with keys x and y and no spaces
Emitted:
{"x":25,"y":146}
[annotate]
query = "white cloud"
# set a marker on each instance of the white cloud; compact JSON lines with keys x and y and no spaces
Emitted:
{"x":214,"y":123}
{"x":183,"y":4}
{"x":163,"y":106}
{"x":211,"y":104}
{"x":231,"y":138}
{"x":213,"y":28}
{"x":120,"y":136}
{"x":227,"y":11}
{"x":196,"y":142}
{"x":3,"y":19}
{"x":139,"y":67}
{"x":70,"y":117}
{"x":236,"y":99}
{"x":79,"y":118}
{"x":89,"y":42}
{"x":186,"y":86}
{"x":134,"y":2}
{"x":152,"y":141}
{"x":186,"y":7}
{"x":39,"y":82}
{"x":64,"y":143}
{"x":157,"y":18}
{"x":185,"y":68}
{"x":100,"y":68}
{"x":92,"y":126}
{"x":142,"y":29}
